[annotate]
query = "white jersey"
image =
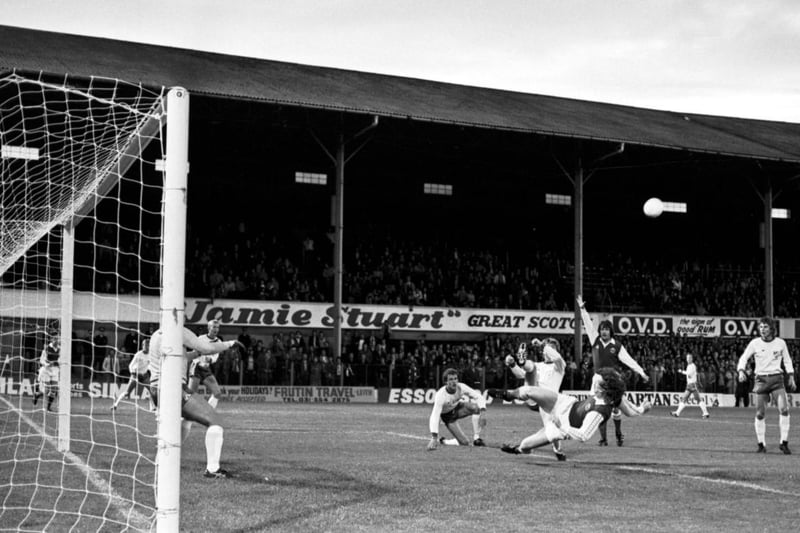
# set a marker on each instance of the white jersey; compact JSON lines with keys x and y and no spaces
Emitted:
{"x":691,"y":374}
{"x":768,"y":356}
{"x":444,"y":402}
{"x":140,"y":363}
{"x":48,"y":375}
{"x":207,"y":360}
{"x":191,"y":341}
{"x":547,"y":374}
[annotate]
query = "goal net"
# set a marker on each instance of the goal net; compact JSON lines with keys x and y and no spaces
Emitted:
{"x":82,"y":217}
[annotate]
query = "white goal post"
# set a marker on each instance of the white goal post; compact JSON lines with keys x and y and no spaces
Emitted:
{"x":92,"y":237}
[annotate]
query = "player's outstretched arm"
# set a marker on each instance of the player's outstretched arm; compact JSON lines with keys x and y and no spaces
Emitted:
{"x":586,"y":318}
{"x":745,"y":357}
{"x":433,"y":421}
{"x":204,"y":346}
{"x":787,"y":359}
{"x":587,"y":429}
{"x":433,"y":443}
{"x":626,"y":359}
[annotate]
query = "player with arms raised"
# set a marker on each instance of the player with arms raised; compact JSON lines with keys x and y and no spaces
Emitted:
{"x":455,"y":401}
{"x":607,"y":352}
{"x":769,"y":351}
{"x":200,"y":367}
{"x":193,"y":409}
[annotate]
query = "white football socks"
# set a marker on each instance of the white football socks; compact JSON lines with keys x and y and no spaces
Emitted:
{"x":213,"y":401}
{"x":186,"y":428}
{"x":783,"y":421}
{"x":213,"y":447}
{"x":761,"y":430}
{"x":476,"y":428}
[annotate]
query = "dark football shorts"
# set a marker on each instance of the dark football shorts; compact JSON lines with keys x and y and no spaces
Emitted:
{"x":154,"y":395}
{"x":202,"y":372}
{"x":462,"y":410}
{"x":768,"y":384}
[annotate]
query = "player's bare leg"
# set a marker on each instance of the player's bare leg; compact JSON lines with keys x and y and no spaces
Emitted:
{"x":546,"y":435}
{"x":603,"y":434}
{"x":124,"y":393}
{"x":192,"y":385}
{"x":783,"y":422}
{"x":760,"y":423}
{"x":458,"y":434}
{"x":212,"y":385}
{"x":197,"y":410}
{"x":51,"y":391}
{"x":544,"y":397}
{"x":37,"y":392}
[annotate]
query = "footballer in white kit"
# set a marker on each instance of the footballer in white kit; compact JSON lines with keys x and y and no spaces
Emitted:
{"x":773,"y":367}
{"x":452,"y":402}
{"x":691,"y":388}
{"x":548,"y":374}
{"x":193,"y":409}
{"x":139,"y":369}
{"x":200,"y":368}
{"x":49,"y":375}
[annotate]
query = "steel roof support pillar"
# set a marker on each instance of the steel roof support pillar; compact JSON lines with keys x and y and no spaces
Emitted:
{"x":339,"y":161}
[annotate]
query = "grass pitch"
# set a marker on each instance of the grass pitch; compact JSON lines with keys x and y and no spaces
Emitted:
{"x":365,"y":468}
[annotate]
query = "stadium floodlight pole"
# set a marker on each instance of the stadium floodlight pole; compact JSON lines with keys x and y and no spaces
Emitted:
{"x":339,"y":161}
{"x":65,"y":336}
{"x":767,"y":197}
{"x":578,"y":182}
{"x":338,"y":245}
{"x":168,"y":460}
{"x":769,"y":303}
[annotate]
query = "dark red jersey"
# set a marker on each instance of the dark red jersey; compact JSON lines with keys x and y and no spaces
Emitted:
{"x":580,"y":409}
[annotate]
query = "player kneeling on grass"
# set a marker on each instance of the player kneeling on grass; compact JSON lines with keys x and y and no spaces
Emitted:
{"x":48,"y":376}
{"x":452,"y":402}
{"x":568,"y":417}
{"x":194,"y":408}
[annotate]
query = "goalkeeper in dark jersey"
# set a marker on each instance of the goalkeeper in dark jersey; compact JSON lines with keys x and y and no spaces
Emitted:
{"x":608,"y":352}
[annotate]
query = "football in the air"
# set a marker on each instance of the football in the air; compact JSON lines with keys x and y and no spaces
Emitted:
{"x":653,"y":207}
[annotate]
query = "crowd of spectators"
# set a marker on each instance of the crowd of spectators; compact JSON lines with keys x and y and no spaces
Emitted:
{"x":376,"y":360}
{"x":234,"y":262}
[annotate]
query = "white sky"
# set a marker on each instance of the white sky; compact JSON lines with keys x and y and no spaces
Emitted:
{"x":723,"y":57}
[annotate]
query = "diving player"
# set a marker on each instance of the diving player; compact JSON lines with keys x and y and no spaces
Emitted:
{"x":548,"y":373}
{"x":569,"y":418}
